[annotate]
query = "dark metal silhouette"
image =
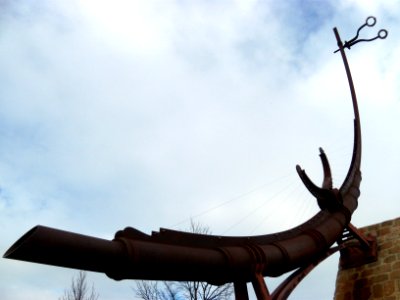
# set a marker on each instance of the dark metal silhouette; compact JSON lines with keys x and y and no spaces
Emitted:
{"x":181,"y":256}
{"x":370,"y":22}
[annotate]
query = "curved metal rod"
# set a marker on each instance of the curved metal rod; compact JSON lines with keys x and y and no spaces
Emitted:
{"x":327,"y":197}
{"x":327,"y":182}
{"x":354,"y":174}
{"x":283,"y":291}
{"x":349,"y":190}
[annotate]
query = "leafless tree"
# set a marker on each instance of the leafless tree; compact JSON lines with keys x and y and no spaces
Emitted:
{"x":192,"y":290}
{"x":151,"y":290}
{"x":79,"y":289}
{"x":204,"y":291}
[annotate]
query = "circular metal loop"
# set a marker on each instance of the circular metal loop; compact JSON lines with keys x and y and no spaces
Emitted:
{"x":382,"y":34}
{"x":371,"y":21}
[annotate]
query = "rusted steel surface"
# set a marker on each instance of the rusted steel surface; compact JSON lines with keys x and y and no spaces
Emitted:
{"x":66,"y":249}
{"x":181,"y":256}
{"x":288,"y":285}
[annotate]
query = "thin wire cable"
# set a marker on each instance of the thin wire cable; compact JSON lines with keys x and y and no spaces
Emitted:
{"x":258,"y":208}
{"x":306,"y":208}
{"x":284,"y":200}
{"x":204,"y":212}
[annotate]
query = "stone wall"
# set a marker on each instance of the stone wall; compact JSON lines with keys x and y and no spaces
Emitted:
{"x":377,"y":280}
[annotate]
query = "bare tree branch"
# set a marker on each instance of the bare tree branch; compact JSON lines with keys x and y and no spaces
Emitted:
{"x":79,"y":289}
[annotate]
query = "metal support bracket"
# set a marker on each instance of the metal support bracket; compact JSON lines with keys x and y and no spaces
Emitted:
{"x":358,"y":249}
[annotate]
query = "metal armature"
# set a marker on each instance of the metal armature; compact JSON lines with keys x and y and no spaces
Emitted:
{"x":181,"y":256}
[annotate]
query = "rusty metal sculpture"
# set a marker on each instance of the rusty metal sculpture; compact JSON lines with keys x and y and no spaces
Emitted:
{"x":181,"y":256}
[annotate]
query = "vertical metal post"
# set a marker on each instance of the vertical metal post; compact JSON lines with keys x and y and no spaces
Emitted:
{"x":241,"y":292}
{"x":260,"y":287}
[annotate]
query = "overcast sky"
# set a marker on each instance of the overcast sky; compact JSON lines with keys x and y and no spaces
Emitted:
{"x":150,"y":113}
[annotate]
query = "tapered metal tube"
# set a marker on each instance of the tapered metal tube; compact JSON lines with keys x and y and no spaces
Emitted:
{"x":128,"y":258}
{"x":65,"y":249}
{"x":133,"y":255}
